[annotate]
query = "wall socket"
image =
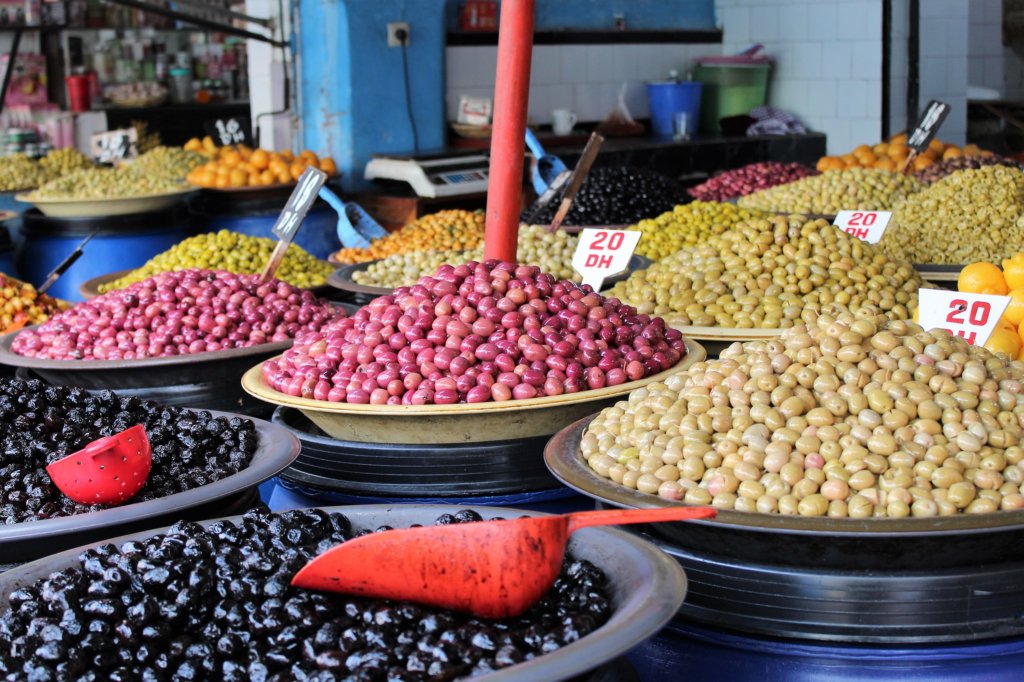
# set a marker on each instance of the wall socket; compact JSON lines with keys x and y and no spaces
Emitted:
{"x":393,"y":28}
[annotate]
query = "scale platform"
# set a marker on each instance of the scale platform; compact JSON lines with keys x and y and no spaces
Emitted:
{"x":432,"y":176}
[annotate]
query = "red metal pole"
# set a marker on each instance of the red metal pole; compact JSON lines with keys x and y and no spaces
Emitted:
{"x":511,"y":93}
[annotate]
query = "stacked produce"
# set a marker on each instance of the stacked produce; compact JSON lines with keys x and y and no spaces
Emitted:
{"x":940,"y":170}
{"x":63,"y":161}
{"x":688,"y":225}
{"x":967,"y":216}
{"x":454,"y":230}
{"x":834,"y":191}
{"x":892,"y":155}
{"x":233,"y":252}
{"x":177,"y":313}
{"x":105,"y":183}
{"x":21,"y":304}
{"x":616,"y":196}
{"x":19,"y":172}
{"x":987,"y":278}
{"x":475,"y":333}
{"x":242,"y":166}
{"x":168,"y":163}
{"x":771,"y":273}
{"x":550,"y":251}
{"x":42,"y":424}
{"x":199,"y":603}
{"x":849,"y":417}
{"x":750,"y":178}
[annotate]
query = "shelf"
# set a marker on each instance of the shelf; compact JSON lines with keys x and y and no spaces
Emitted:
{"x":28,"y":28}
{"x":592,"y":37}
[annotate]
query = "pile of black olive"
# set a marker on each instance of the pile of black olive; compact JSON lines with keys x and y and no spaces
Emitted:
{"x":216,"y":603}
{"x":620,"y":195}
{"x":39,"y":424}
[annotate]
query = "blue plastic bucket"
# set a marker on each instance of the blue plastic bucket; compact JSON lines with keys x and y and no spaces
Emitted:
{"x":123,"y":242}
{"x":318,"y":234}
{"x":666,"y":99}
{"x":690,"y":652}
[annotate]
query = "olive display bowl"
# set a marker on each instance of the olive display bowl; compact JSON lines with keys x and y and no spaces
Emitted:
{"x":459,"y":423}
{"x":647,"y":587}
{"x":90,"y":288}
{"x":32,"y":539}
{"x":342,"y":280}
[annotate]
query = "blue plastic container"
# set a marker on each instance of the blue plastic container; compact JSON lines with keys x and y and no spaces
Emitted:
{"x":668,"y":98}
{"x":688,"y":652}
{"x":123,"y":242}
{"x":318,"y":234}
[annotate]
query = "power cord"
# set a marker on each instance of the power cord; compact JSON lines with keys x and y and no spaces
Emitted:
{"x":403,"y":37}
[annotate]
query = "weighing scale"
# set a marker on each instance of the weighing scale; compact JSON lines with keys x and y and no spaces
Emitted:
{"x":432,"y":176}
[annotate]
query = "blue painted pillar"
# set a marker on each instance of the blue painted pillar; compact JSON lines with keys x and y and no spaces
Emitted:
{"x":351,"y":94}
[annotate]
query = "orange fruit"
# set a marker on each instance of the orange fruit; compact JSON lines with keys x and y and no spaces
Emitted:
{"x":898,"y":150}
{"x":1013,"y":271}
{"x":254,"y":179}
{"x":922,"y":162}
{"x":286,"y":154}
{"x":193,"y":145}
{"x":267,"y":177}
{"x":867,"y":160}
{"x":260,"y":159}
{"x":1004,"y":341}
{"x":937,"y":146}
{"x":1003,"y":323}
{"x":881,"y":149}
{"x":1020,"y":355}
{"x":309,"y":156}
{"x":231,"y":159}
{"x":1015,"y":311}
{"x":284,"y":177}
{"x":221,"y":182}
{"x":971,"y":149}
{"x":898,"y":139}
{"x":886,"y":164}
{"x":328,"y":166}
{"x":951,"y":152}
{"x":861,"y":149}
{"x":982,"y":278}
{"x":296,"y":170}
{"x":238,"y":178}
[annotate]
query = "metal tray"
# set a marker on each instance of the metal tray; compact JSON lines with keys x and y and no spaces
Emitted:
{"x":459,"y":423}
{"x":819,"y":542}
{"x":647,"y":586}
{"x":32,"y":539}
{"x":415,"y":470}
{"x":195,"y":368}
{"x":77,"y":208}
{"x":90,"y":288}
{"x":364,"y":293}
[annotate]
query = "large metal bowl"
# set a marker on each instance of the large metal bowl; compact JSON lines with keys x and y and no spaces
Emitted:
{"x":840,"y":543}
{"x":460,"y":423}
{"x":647,"y":586}
{"x":32,"y":539}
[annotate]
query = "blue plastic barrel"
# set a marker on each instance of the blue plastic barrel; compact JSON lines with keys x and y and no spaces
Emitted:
{"x":668,"y":98}
{"x":689,"y":652}
{"x":123,"y":242}
{"x":318,"y":234}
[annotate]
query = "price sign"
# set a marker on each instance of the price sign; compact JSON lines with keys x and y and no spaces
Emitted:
{"x":972,"y":316}
{"x":601,"y":253}
{"x":934,"y":114}
{"x":299,"y":203}
{"x":868,"y":226}
{"x":115,"y":145}
{"x":229,"y":131}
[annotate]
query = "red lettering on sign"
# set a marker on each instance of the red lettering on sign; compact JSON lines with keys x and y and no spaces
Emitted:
{"x":858,"y":232}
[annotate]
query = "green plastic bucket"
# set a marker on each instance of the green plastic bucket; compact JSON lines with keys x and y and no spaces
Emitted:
{"x":730,"y":90}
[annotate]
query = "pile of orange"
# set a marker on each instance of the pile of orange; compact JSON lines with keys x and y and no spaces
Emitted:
{"x":242,"y":166}
{"x":892,"y":154}
{"x":987,"y":278}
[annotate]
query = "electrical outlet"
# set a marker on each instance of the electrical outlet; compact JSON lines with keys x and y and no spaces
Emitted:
{"x":393,"y":28}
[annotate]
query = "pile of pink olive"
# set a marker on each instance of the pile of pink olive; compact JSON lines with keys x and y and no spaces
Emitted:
{"x":742,"y":181}
{"x":177,"y":313}
{"x":474,"y":333}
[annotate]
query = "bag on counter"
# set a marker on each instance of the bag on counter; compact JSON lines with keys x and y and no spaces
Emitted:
{"x":619,"y":122}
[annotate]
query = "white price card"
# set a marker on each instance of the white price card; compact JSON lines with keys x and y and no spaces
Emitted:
{"x":972,"y":316}
{"x":867,"y":226}
{"x":601,"y":253}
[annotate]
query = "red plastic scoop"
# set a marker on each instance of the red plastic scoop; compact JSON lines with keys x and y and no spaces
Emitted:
{"x":492,"y":569}
{"x":109,"y":470}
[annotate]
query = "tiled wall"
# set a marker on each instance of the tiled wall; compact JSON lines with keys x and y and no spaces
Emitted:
{"x":991,"y":64}
{"x":584,"y":78}
{"x":943,"y":53}
{"x":828,"y":67}
{"x":266,"y":76}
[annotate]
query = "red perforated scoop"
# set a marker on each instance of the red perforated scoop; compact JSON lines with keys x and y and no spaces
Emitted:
{"x":492,"y":569}
{"x":109,"y":470}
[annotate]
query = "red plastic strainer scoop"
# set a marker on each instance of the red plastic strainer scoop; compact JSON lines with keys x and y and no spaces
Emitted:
{"x":110,"y":470}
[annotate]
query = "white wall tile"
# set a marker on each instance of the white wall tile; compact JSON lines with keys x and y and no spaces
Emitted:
{"x":852,"y":20}
{"x":485,"y":60}
{"x":458,"y":72}
{"x":837,"y":60}
{"x":822,"y":98}
{"x":546,"y":67}
{"x":993,"y":72}
{"x":793,"y":22}
{"x":764,"y":23}
{"x":867,"y":59}
{"x":822,"y":20}
{"x":735,"y":23}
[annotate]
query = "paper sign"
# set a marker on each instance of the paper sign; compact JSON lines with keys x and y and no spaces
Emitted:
{"x":972,"y":316}
{"x":115,"y":145}
{"x":602,"y":253}
{"x":228,"y":131}
{"x":299,"y":203}
{"x":934,"y":114}
{"x":868,"y":226}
